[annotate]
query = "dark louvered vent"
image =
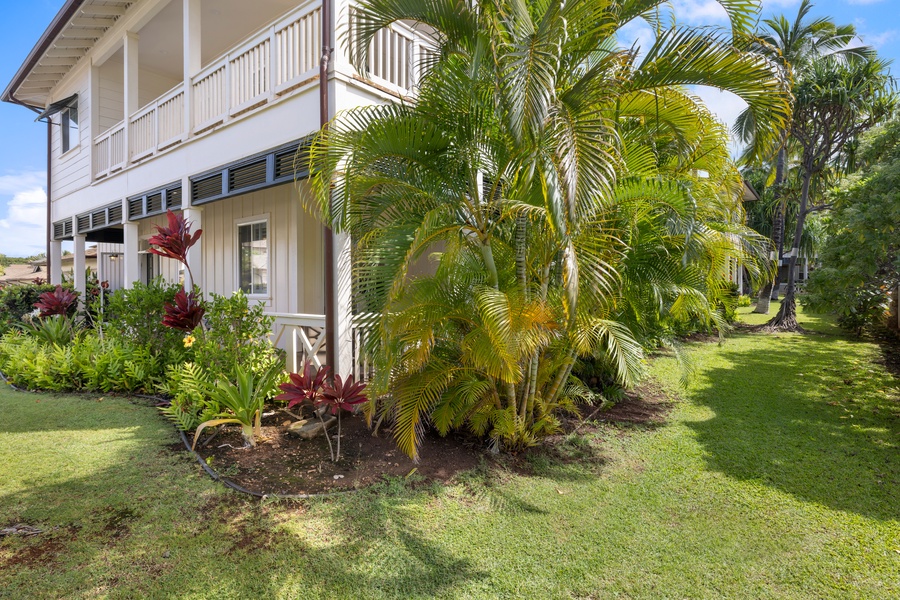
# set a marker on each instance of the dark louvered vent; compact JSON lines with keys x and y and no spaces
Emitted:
{"x":115,"y":214}
{"x":285,"y":159}
{"x":67,"y":228}
{"x":58,"y":230}
{"x":154,"y":203}
{"x":248,"y":175}
{"x":98,"y":218}
{"x":173,"y":198}
{"x":208,"y":187}
{"x":135,"y":207}
{"x":84,"y":222}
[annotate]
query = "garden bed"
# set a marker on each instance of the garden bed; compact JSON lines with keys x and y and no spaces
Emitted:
{"x":283,"y":464}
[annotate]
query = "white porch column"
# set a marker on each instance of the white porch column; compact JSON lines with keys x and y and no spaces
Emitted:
{"x":192,"y":63}
{"x":80,"y":268}
{"x":195,"y":255}
{"x":343,"y":305}
{"x":55,"y":262}
{"x":132,"y":267}
{"x":131,"y":101}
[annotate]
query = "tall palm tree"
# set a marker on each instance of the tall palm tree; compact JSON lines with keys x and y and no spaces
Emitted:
{"x":795,"y":44}
{"x":556,"y":180}
{"x":835,"y":101}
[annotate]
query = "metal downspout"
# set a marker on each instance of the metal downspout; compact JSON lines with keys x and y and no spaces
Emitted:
{"x":49,"y":181}
{"x":331,"y":336}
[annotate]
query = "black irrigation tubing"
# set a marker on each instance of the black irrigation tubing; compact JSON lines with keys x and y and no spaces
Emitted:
{"x":209,"y":470}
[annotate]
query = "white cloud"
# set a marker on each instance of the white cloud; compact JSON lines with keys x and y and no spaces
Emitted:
{"x":725,"y":105}
{"x":877,"y":40}
{"x":23,"y":230}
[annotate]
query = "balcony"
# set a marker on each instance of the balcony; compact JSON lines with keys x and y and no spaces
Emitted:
{"x":276,"y":60}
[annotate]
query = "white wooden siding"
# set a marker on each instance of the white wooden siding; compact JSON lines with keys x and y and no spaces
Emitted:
{"x":295,"y":249}
{"x":71,"y":172}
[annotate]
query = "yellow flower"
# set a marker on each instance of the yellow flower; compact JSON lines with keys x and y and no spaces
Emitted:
{"x":189,"y":341}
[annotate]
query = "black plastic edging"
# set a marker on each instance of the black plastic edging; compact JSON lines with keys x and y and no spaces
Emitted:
{"x":209,"y":470}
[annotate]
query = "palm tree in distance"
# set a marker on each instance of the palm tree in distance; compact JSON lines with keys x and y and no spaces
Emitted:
{"x":795,"y":45}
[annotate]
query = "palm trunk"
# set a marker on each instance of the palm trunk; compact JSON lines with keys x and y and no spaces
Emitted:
{"x":786,"y":319}
{"x":767,"y":290}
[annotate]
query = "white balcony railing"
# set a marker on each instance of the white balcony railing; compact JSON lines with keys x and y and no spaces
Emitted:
{"x":109,"y":151}
{"x":280,"y":58}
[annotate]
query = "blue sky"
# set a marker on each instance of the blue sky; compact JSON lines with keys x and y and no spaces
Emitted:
{"x":23,"y":152}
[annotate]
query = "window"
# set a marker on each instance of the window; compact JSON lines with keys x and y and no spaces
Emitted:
{"x":70,"y":127}
{"x":253,"y":259}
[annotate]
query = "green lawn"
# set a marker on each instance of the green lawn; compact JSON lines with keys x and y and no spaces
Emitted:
{"x":777,"y":476}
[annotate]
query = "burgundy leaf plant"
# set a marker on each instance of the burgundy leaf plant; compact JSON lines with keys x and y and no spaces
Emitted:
{"x":175,"y":240}
{"x":305,"y":386}
{"x":57,"y":302}
{"x":186,"y":314}
{"x":311,"y":386}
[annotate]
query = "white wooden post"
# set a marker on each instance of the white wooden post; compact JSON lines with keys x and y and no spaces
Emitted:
{"x":132,"y":258}
{"x":195,"y":255}
{"x":55,"y":262}
{"x":132,"y":103}
{"x":80,"y":268}
{"x":343,"y":305}
{"x":192,"y":58}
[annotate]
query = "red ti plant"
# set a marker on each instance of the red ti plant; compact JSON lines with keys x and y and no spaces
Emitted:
{"x":175,"y":240}
{"x":57,"y":302}
{"x":311,"y":386}
{"x":340,"y":396}
{"x":305,"y":386}
{"x":186,"y":314}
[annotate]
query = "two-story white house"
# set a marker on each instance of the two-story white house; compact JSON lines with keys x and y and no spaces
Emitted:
{"x":201,"y":106}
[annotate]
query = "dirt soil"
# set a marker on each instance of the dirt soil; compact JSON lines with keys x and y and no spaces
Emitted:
{"x":284,"y":464}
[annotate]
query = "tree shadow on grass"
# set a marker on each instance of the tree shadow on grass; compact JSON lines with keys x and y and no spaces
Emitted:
{"x":806,"y":418}
{"x":149,"y":524}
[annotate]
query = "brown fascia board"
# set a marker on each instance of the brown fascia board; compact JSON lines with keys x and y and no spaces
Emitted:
{"x":59,"y":22}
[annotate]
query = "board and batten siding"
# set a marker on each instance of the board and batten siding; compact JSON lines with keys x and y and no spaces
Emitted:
{"x":296,"y":256}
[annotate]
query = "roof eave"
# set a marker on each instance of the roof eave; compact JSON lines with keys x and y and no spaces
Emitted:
{"x":62,"y":18}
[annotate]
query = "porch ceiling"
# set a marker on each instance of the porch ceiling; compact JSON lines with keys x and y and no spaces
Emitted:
{"x":74,"y":30}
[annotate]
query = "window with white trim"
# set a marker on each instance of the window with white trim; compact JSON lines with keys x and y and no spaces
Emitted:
{"x":70,"y":137}
{"x":253,"y":257}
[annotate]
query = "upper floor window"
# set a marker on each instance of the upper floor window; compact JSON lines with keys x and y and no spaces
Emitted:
{"x":253,"y":257}
{"x":70,"y":137}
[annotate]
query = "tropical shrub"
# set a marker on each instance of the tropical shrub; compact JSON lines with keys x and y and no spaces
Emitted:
{"x":56,"y":303}
{"x":188,"y":386}
{"x":236,"y":336}
{"x":861,"y":255}
{"x":17,"y":301}
{"x":58,"y":329}
{"x":135,"y":317}
{"x":88,"y":363}
{"x":311,"y":386}
{"x":242,"y":402}
{"x":555,"y":179}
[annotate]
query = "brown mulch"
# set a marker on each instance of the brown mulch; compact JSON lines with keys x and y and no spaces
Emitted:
{"x":284,"y":464}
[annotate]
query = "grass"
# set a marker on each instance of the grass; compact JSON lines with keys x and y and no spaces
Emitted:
{"x":777,"y":476}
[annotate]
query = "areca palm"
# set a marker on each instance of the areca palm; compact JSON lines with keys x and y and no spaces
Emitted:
{"x":554,"y":178}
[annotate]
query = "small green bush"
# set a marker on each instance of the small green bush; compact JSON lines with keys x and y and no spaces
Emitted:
{"x":87,"y":363}
{"x":17,"y":301}
{"x":237,"y":336}
{"x":134,"y":317}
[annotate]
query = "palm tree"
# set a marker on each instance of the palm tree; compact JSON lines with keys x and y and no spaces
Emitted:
{"x":795,"y":44}
{"x":835,"y":101}
{"x":556,"y":181}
